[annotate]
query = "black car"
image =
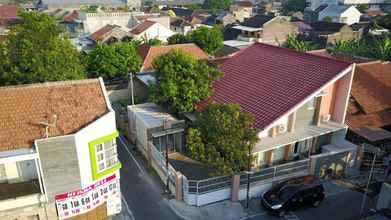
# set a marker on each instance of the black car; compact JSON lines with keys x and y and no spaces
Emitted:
{"x":306,"y":190}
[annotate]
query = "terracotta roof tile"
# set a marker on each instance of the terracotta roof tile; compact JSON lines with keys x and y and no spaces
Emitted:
{"x":71,"y":17}
{"x":244,"y":3}
{"x":9,"y":11}
{"x":140,"y":28}
{"x":23,"y":108}
{"x":97,"y":35}
{"x":268,"y":81}
{"x":372,"y":86}
{"x":149,"y":53}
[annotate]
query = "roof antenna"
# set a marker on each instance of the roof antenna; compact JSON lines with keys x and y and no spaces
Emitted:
{"x":47,"y":125}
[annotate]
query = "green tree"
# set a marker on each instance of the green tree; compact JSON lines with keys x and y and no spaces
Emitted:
{"x":299,"y":45}
{"x":209,"y":39}
{"x":362,"y":7}
{"x":222,"y":137}
{"x":115,"y":60}
{"x":217,"y":5}
{"x":37,"y":50}
{"x":384,"y":21}
{"x":154,"y":42}
{"x":177,"y":39}
{"x":381,"y":49}
{"x":327,"y":19}
{"x":294,"y":6}
{"x":181,"y":80}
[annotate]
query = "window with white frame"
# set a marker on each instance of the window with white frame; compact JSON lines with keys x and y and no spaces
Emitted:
{"x":106,"y":155}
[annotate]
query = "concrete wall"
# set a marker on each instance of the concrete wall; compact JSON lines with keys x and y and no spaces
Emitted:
{"x":342,"y":97}
{"x":101,"y":127}
{"x":277,"y":30}
{"x":118,"y":94}
{"x":346,"y":34}
{"x":94,"y":21}
{"x":59,"y":163}
{"x":157,"y":31}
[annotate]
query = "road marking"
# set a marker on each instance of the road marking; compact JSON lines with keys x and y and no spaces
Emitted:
{"x":127,"y":208}
{"x":291,"y":216}
{"x":131,"y":155}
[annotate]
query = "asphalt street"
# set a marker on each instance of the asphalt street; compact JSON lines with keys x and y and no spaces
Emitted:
{"x":142,"y":192}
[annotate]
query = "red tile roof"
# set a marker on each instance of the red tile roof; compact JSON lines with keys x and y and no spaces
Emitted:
{"x":269,"y":81}
{"x":71,"y":17}
{"x":140,"y":28}
{"x":99,"y":34}
{"x":371,"y":92}
{"x":9,"y":11}
{"x":244,"y":3}
{"x":149,"y":53}
{"x":22,"y":109}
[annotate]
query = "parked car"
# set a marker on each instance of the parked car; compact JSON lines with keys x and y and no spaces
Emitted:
{"x":296,"y":192}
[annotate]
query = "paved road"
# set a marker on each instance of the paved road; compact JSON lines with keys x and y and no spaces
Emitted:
{"x":341,"y":206}
{"x":141,"y":191}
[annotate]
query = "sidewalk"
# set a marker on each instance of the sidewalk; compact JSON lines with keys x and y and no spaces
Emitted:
{"x":225,"y":210}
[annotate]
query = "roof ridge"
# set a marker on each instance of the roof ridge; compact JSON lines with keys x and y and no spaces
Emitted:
{"x":50,"y":83}
{"x":370,"y":63}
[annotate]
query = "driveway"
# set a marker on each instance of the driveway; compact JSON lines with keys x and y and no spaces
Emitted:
{"x":142,"y":192}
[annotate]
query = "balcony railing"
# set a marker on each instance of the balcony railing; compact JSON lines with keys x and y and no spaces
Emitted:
{"x":14,"y":190}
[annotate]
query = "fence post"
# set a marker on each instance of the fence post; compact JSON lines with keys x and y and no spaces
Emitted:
{"x":179,"y":186}
{"x":149,"y":156}
{"x":235,"y":188}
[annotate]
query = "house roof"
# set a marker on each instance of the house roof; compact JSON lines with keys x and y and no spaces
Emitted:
{"x":180,"y":23}
{"x":149,"y":53}
{"x":328,"y":27}
{"x":100,"y":33}
{"x":9,"y":11}
{"x":22,"y":109}
{"x":83,"y":2}
{"x":181,"y":12}
{"x":244,"y":4}
{"x":140,"y":28}
{"x":320,"y":8}
{"x":342,"y":57}
{"x":269,"y":81}
{"x":257,"y":21}
{"x":230,"y":33}
{"x":334,"y":10}
{"x":370,"y":104}
{"x":71,"y":17}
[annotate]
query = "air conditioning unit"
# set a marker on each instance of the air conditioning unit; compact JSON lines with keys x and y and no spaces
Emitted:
{"x":326,"y":118}
{"x":281,"y":128}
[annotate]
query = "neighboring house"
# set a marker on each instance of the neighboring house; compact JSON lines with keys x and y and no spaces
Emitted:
{"x":151,"y":30}
{"x":179,"y":12}
{"x":369,"y":112}
{"x":95,"y":21}
{"x":182,"y":26}
{"x":266,"y":29}
{"x":299,"y":107}
{"x":109,"y":34}
{"x":241,"y":10}
{"x":329,"y":33}
{"x":149,"y":53}
{"x":340,"y":14}
{"x":313,"y":4}
{"x":58,"y":153}
{"x":73,"y":23}
{"x":76,"y":4}
{"x":8,"y":17}
{"x":225,"y":18}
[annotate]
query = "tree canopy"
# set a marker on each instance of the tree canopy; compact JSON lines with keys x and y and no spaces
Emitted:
{"x":177,"y":39}
{"x":37,"y":50}
{"x":217,"y":5}
{"x":294,"y":6}
{"x":181,"y":80}
{"x":299,"y":45}
{"x":114,"y":60}
{"x":209,"y":39}
{"x":376,"y":48}
{"x":222,"y":137}
{"x":384,"y":21}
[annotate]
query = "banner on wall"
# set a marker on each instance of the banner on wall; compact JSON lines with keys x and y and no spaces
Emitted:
{"x":81,"y":201}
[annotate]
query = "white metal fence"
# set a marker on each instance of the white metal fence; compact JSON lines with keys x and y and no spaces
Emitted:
{"x":202,"y":192}
{"x":159,"y":163}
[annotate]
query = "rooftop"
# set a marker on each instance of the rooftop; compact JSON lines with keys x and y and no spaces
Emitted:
{"x":140,"y":28}
{"x":257,"y":21}
{"x":24,"y":108}
{"x":150,"y":53}
{"x":244,"y":3}
{"x":151,"y":114}
{"x":268,"y":81}
{"x":9,"y":11}
{"x":100,"y":33}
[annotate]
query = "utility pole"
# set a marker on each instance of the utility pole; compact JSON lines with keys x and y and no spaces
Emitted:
{"x":369,"y":181}
{"x":131,"y":87}
{"x":248,"y":172}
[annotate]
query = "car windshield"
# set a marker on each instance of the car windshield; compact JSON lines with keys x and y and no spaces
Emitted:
{"x":286,"y":192}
